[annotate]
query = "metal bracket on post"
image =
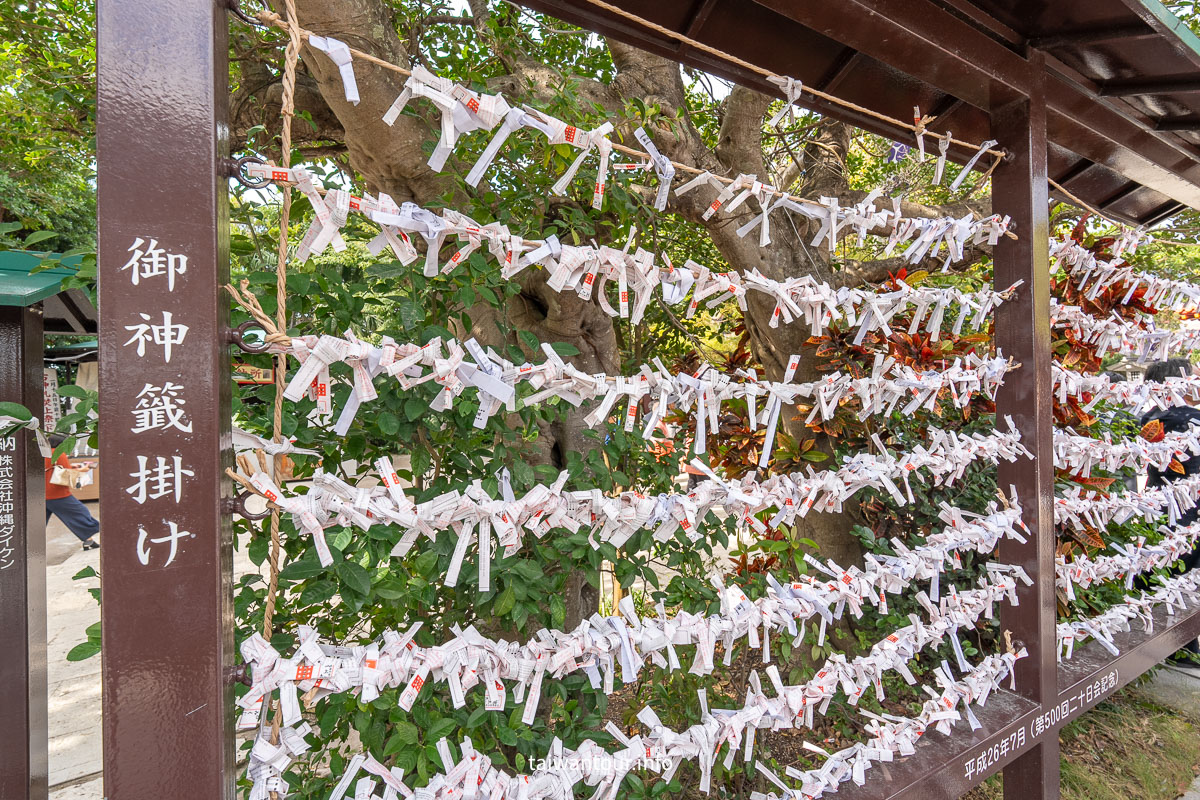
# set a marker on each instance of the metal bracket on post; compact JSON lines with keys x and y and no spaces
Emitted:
{"x":165,"y":388}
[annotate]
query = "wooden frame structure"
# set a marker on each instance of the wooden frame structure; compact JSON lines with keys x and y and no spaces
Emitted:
{"x":33,"y":305}
{"x":1126,"y":141}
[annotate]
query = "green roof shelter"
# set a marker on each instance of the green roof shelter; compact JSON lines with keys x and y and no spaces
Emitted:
{"x":64,"y":311}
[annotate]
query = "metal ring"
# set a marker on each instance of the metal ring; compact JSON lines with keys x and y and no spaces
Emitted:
{"x":240,"y":508}
{"x":238,"y":337}
{"x":238,"y":173}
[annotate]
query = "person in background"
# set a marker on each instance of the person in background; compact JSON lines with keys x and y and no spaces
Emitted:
{"x":1176,"y":419}
{"x":68,"y":508}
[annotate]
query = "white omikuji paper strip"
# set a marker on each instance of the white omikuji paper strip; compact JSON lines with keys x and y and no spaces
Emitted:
{"x":10,"y":425}
{"x":1120,"y":336}
{"x":472,"y":660}
{"x":600,"y":643}
{"x":473,"y":515}
{"x":245,"y":441}
{"x":578,"y":268}
{"x":463,"y":110}
{"x":456,"y":367}
{"x":659,"y":750}
{"x":1131,"y":559}
{"x":1081,"y":454}
{"x":339,"y":53}
{"x":1094,"y":275}
{"x":1081,"y":508}
{"x":1138,"y":396}
{"x":1175,"y":593}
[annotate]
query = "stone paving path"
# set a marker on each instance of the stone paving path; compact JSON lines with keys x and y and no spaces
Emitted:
{"x":75,"y":755}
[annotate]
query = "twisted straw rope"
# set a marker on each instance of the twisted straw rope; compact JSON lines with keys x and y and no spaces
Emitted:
{"x":291,"y":56}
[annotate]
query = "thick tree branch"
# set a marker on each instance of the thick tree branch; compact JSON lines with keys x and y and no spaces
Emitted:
{"x":740,"y":144}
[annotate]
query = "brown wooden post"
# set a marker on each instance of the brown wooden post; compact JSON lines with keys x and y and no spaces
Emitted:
{"x":164,"y":399}
{"x":1023,"y":333}
{"x":23,"y":733}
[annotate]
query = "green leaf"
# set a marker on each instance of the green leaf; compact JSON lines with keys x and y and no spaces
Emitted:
{"x":39,"y":236}
{"x":440,"y":729}
{"x":86,"y":572}
{"x":564,"y":349}
{"x":390,"y":590}
{"x":341,"y":539}
{"x":355,"y":577}
{"x":388,"y":423}
{"x":394,"y":745}
{"x":476,"y":717}
{"x":414,"y":407}
{"x":386,"y":269}
{"x":410,"y":312}
{"x":14,"y":410}
{"x":71,"y":390}
{"x":558,"y":611}
{"x":529,"y":570}
{"x":67,"y":420}
{"x":257,"y":550}
{"x":82,"y":651}
{"x":504,"y":603}
{"x":318,"y":592}
{"x":406,"y":733}
{"x":530,"y":339}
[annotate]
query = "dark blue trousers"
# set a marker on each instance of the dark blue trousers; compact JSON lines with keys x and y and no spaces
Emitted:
{"x":75,"y":515}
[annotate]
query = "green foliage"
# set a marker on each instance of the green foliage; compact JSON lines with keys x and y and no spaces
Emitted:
{"x":47,"y":100}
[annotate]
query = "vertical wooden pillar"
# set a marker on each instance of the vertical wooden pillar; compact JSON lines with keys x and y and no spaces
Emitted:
{"x":23,"y":732}
{"x":1023,"y":333}
{"x":164,"y":399}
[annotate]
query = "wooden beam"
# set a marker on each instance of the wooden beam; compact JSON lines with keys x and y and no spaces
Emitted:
{"x":1019,"y":186}
{"x":1135,"y":88}
{"x":166,"y":562}
{"x":1086,"y":37}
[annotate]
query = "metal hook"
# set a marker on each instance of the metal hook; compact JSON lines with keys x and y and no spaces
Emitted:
{"x":238,"y":337}
{"x":241,"y":509}
{"x":238,"y":173}
{"x":235,"y":8}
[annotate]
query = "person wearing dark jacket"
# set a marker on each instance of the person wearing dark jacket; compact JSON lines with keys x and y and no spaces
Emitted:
{"x":1176,"y":419}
